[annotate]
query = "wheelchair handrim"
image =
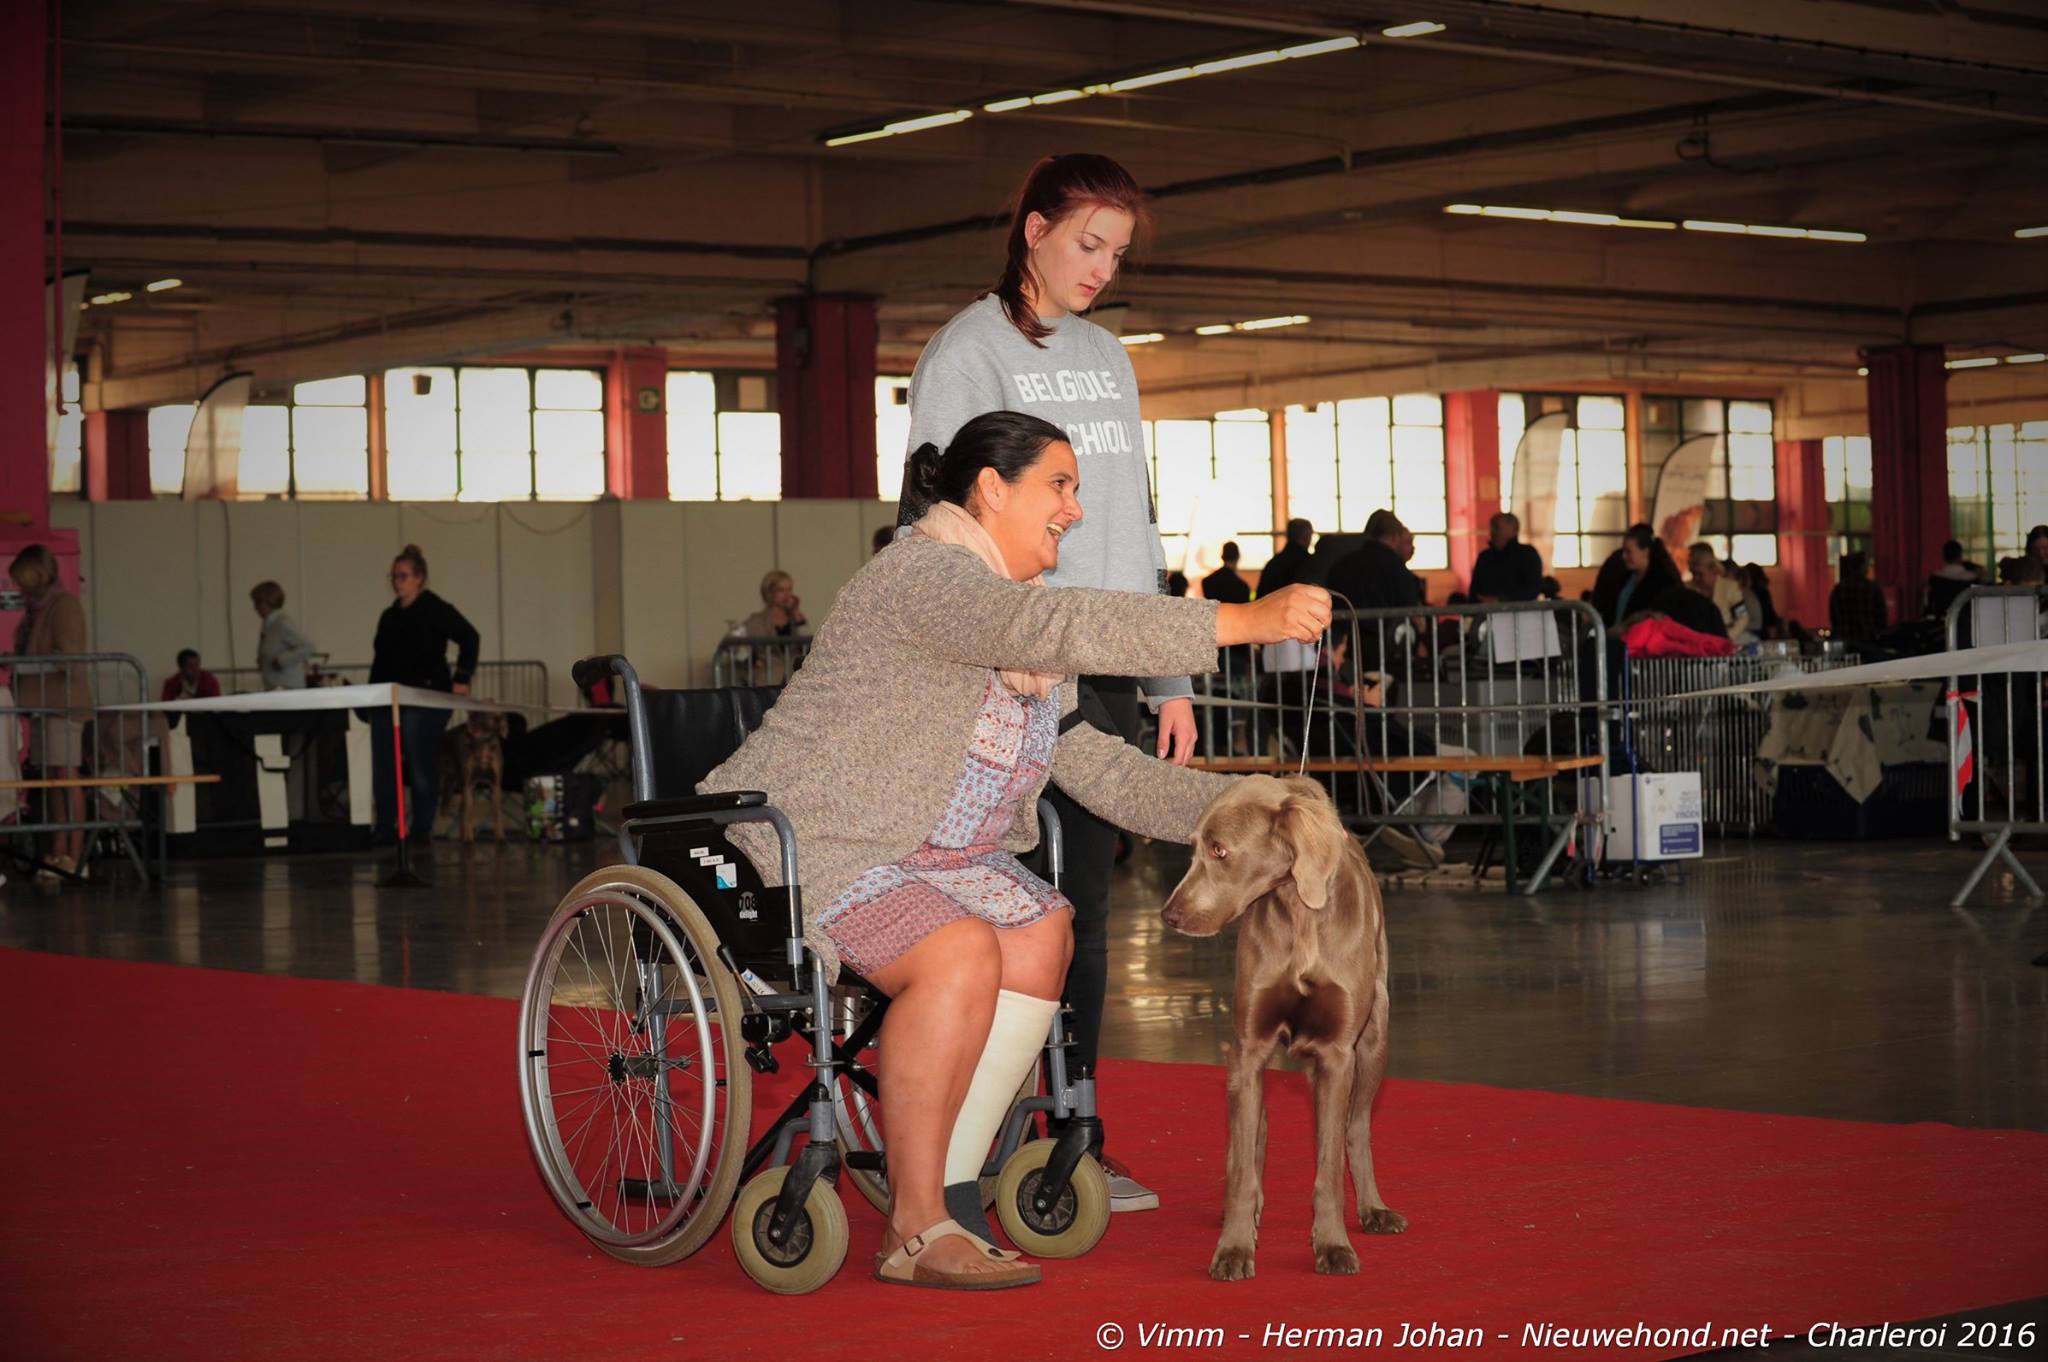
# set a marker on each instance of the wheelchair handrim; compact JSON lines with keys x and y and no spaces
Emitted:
{"x":558,"y":1164}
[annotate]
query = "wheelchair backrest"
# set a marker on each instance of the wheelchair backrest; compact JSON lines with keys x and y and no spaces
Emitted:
{"x":690,"y":732}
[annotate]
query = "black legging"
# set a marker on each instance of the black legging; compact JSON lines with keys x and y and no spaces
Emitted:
{"x":1090,"y":856}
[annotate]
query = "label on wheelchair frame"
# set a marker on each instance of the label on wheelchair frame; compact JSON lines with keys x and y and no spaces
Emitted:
{"x":724,"y":872}
{"x":756,"y":983}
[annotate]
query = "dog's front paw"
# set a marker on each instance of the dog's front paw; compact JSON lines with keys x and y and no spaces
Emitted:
{"x":1336,"y":1260}
{"x":1232,"y":1264}
{"x":1382,"y":1220}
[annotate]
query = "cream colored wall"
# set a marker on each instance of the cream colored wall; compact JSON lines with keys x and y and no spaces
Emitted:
{"x":658,"y":581}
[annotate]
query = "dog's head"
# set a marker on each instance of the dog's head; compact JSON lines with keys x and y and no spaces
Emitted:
{"x":1258,"y":835}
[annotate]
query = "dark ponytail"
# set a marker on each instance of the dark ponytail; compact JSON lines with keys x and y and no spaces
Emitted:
{"x":411,"y":556}
{"x":1007,"y":441}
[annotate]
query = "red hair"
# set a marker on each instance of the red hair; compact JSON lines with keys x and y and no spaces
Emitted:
{"x":1055,"y":188}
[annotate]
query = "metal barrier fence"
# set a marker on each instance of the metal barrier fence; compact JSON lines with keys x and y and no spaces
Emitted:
{"x":765,"y":661}
{"x":518,"y":682}
{"x":1440,"y":691}
{"x":1716,"y":736}
{"x":1995,"y":728}
{"x":59,"y":715}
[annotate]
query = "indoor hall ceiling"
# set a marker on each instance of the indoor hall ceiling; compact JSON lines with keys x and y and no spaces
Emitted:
{"x":346,"y":184}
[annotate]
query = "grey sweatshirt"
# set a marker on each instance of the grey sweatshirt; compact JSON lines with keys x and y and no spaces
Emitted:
{"x":1082,"y":382}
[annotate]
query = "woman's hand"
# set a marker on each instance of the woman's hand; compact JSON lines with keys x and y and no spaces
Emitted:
{"x":1300,"y":612}
{"x":1177,"y":730}
{"x":461,"y":687}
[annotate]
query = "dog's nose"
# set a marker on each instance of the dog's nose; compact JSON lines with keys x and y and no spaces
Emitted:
{"x":1171,"y":915}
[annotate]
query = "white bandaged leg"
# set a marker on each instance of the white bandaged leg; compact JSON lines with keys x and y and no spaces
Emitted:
{"x":1016,"y":1035}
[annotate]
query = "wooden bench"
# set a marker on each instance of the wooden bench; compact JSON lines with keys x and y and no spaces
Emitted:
{"x":110,"y":782}
{"x":1508,"y":771}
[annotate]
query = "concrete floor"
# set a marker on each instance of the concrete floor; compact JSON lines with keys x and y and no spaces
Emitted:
{"x":1814,"y":979}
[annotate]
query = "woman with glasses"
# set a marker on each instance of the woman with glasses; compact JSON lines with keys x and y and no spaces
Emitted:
{"x":413,"y":635}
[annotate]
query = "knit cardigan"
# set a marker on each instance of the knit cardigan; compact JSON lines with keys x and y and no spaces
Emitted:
{"x":865,"y":746}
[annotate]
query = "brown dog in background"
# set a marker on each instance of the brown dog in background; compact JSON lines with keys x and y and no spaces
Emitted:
{"x":1311,"y":976}
{"x":473,"y":754}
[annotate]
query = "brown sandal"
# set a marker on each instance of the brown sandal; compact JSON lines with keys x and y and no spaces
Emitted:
{"x":902,"y":1268}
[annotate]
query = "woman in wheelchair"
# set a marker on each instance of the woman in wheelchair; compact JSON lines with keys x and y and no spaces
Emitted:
{"x":908,"y":755}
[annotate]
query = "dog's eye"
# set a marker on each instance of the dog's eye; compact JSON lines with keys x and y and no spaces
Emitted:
{"x":1219,"y":852}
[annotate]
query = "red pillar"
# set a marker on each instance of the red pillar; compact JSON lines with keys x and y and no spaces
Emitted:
{"x":24,"y":337}
{"x":117,"y":456}
{"x":825,"y":390}
{"x":1908,"y":405}
{"x":1804,"y":573}
{"x":1471,"y":473}
{"x":636,"y":425}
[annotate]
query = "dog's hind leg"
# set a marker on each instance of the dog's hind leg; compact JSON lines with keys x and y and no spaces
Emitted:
{"x":1245,"y":1168}
{"x":1332,"y":1078}
{"x":1369,"y":1066}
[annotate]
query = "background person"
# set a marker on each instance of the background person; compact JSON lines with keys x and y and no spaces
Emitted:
{"x":1290,"y":564}
{"x":56,"y":696}
{"x":413,"y":635}
{"x":1026,"y":345}
{"x":190,"y":681}
{"x":1856,"y":608}
{"x":1507,"y":569}
{"x":282,"y":652}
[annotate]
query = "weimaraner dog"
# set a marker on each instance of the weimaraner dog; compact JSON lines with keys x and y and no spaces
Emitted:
{"x":1311,"y":976}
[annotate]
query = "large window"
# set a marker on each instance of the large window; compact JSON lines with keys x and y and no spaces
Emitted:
{"x":330,"y":430}
{"x":69,"y":455}
{"x":1741,"y":519}
{"x":892,"y":435}
{"x":494,"y":434}
{"x":1212,"y":481}
{"x":1347,"y":459}
{"x":724,"y":438}
{"x":1592,"y":470}
{"x":1845,"y":475}
{"x":1998,"y":487}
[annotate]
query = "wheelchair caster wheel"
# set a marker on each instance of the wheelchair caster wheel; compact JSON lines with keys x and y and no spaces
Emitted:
{"x":1073,"y":1225}
{"x":816,"y":1246}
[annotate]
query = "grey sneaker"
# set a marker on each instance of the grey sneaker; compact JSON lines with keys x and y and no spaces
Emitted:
{"x":1126,"y":1193}
{"x":1414,"y":852}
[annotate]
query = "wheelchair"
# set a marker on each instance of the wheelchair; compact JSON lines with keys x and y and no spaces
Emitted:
{"x":661,"y":988}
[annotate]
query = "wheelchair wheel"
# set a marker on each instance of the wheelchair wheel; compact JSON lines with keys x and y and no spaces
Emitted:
{"x":636,"y":1095}
{"x":817,"y":1242}
{"x":1073,"y":1225}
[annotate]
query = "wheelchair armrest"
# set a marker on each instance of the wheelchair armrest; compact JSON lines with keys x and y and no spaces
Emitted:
{"x":683,"y":806}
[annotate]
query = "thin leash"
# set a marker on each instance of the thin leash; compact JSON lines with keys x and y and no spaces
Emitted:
{"x":1308,"y":713}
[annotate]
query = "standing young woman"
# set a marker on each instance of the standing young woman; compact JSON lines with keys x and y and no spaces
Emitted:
{"x":413,"y":635}
{"x":1024,"y":346}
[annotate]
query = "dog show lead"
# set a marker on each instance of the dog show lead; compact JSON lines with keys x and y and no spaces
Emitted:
{"x":908,"y":755}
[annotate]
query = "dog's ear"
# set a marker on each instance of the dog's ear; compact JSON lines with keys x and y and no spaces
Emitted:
{"x":1307,"y":822}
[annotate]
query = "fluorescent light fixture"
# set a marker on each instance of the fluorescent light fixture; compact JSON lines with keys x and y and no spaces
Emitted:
{"x":1585,"y":219}
{"x":1652,"y":223}
{"x":102,"y":299}
{"x":1268,"y":323}
{"x":1747,"y":229}
{"x":1318,"y":49}
{"x":1703,"y":225}
{"x":1014,"y":103}
{"x":1468,"y":209}
{"x":1566,"y":215}
{"x":1220,"y":329}
{"x":1222,"y":64}
{"x":1862,"y":373}
{"x":1816,"y":234}
{"x":160,"y":285}
{"x":1144,"y":338}
{"x":1156,"y":78}
{"x":2025,"y":232}
{"x":1414,"y":30}
{"x":2025,"y":359}
{"x":1982,"y":363}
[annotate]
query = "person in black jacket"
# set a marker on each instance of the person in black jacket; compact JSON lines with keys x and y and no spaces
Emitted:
{"x":1376,"y":577}
{"x":413,"y":635}
{"x":1634,"y":578}
{"x":1290,"y":564}
{"x":1507,"y":569}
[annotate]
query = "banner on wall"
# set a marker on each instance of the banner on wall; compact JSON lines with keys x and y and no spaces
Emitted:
{"x":1681,"y":502}
{"x":1534,"y":501}
{"x":213,"y":450}
{"x":62,"y":299}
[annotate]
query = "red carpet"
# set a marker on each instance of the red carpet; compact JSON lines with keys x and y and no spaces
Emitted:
{"x":212,"y":1165}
